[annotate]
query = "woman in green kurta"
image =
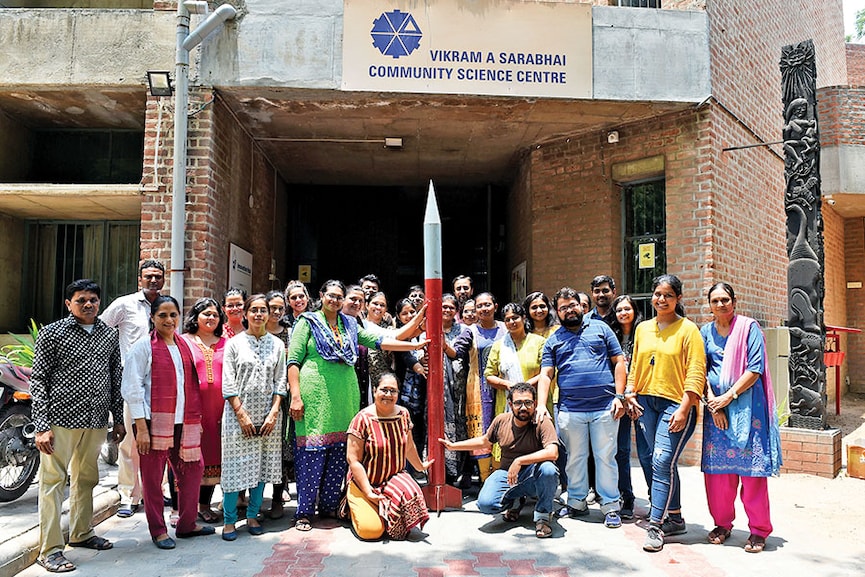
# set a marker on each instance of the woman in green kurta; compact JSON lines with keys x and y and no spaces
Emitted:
{"x":324,"y":398}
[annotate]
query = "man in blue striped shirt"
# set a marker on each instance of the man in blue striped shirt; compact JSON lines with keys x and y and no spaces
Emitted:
{"x":588,"y":361}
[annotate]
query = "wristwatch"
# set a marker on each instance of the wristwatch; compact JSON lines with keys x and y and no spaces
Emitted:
{"x":620,"y":396}
{"x":735,"y":394}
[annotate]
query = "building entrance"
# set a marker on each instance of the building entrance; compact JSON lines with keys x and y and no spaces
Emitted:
{"x":346,"y":232}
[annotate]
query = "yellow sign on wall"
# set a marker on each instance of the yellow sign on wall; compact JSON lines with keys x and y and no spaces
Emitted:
{"x":647,"y":255}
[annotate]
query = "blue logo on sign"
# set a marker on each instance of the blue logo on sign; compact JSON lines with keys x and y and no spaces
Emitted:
{"x":396,"y":34}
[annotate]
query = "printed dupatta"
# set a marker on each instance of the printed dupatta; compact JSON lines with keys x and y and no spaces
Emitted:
{"x":326,"y":343}
{"x":739,"y":411}
{"x":163,"y":399}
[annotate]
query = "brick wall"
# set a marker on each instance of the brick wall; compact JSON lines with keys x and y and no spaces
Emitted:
{"x":748,"y":81}
{"x":725,"y":217}
{"x":813,"y":452}
{"x":841,"y":113}
{"x":835,"y":301}
{"x":224,"y":168}
{"x":854,"y":249}
{"x":855,"y":64}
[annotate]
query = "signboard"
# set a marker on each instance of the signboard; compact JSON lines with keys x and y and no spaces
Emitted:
{"x":239,"y":268}
{"x":483,"y":47}
{"x":647,"y":255}
{"x":518,"y":282}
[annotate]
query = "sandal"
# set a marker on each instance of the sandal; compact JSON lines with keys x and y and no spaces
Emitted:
{"x":303,"y":524}
{"x":209,"y":516}
{"x":543,"y":529}
{"x":755,"y":544}
{"x":96,"y":543}
{"x":718,"y":535}
{"x":56,"y":563}
{"x":513,"y":515}
{"x":173,"y":519}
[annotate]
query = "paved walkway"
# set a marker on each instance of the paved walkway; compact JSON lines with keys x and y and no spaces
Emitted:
{"x":819,"y":531}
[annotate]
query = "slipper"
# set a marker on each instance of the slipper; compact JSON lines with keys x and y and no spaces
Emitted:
{"x":755,"y":544}
{"x":97,"y":543}
{"x":209,"y":516}
{"x":303,"y":524}
{"x":56,"y":563}
{"x":197,"y":532}
{"x":125,"y":511}
{"x":718,"y":535}
{"x":543,"y":529}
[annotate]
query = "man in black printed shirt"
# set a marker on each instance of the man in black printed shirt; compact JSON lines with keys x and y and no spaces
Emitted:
{"x":75,"y":381}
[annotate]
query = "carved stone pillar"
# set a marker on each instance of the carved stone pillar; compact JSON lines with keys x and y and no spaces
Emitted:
{"x":805,"y":288}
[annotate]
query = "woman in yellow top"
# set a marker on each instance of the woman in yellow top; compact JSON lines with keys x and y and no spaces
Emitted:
{"x":666,"y":381}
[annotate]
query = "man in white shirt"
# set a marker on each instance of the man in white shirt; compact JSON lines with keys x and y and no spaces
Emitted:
{"x":130,"y":314}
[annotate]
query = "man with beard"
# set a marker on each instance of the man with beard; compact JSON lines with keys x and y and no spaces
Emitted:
{"x":588,"y":360}
{"x":463,"y":288}
{"x":528,"y":464}
{"x":603,"y":293}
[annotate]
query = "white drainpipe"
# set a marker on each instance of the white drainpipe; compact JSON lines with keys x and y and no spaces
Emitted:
{"x":185,"y":43}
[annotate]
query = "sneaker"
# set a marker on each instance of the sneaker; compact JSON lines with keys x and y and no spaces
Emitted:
{"x":612,"y":520}
{"x":671,"y":527}
{"x":627,"y":511}
{"x":654,"y":539}
{"x":591,"y":497}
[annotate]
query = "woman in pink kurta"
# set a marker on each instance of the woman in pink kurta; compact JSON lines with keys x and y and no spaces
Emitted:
{"x":203,"y":326}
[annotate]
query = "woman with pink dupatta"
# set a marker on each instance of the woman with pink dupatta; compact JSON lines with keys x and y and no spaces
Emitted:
{"x":161,"y":387}
{"x":741,"y":440}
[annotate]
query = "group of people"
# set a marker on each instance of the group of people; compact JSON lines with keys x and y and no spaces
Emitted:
{"x":331,"y":393}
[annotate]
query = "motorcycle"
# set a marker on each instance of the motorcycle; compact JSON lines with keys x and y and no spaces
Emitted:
{"x":19,"y":457}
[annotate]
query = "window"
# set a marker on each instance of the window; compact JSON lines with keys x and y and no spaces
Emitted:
{"x":105,"y":251}
{"x":645,"y":242}
{"x":639,"y":3}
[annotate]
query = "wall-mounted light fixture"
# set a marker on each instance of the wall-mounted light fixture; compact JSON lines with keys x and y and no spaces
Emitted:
{"x":613,"y":137}
{"x":159,"y":83}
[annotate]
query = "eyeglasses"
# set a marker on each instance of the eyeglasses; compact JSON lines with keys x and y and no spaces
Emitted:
{"x":334,"y":297}
{"x":259,"y":310}
{"x":569,"y":308}
{"x":721,"y":301}
{"x":388,"y":391}
{"x":526,"y":404}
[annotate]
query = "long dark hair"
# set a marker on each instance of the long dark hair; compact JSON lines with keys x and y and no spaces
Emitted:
{"x":190,"y":325}
{"x":617,"y":327}
{"x":675,"y":284}
{"x":400,"y":304}
{"x":552,"y":317}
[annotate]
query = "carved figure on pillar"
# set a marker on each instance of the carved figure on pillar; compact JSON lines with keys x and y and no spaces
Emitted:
{"x":802,"y":202}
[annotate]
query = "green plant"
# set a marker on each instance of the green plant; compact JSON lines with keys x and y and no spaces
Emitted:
{"x":21,"y":354}
{"x":782,"y":411}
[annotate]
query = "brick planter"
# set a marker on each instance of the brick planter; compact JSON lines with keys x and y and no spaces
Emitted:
{"x":812,"y":452}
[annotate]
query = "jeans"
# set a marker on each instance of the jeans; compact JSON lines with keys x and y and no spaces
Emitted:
{"x":578,"y":430}
{"x":666,"y":448}
{"x":623,"y":459}
{"x":536,"y":480}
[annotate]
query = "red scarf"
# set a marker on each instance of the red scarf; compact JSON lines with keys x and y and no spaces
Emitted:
{"x":163,"y":399}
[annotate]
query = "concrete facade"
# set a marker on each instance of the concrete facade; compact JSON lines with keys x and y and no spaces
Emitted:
{"x":678,"y":85}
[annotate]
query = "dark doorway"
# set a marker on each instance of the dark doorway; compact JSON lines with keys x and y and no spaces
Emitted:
{"x":348,"y":232}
